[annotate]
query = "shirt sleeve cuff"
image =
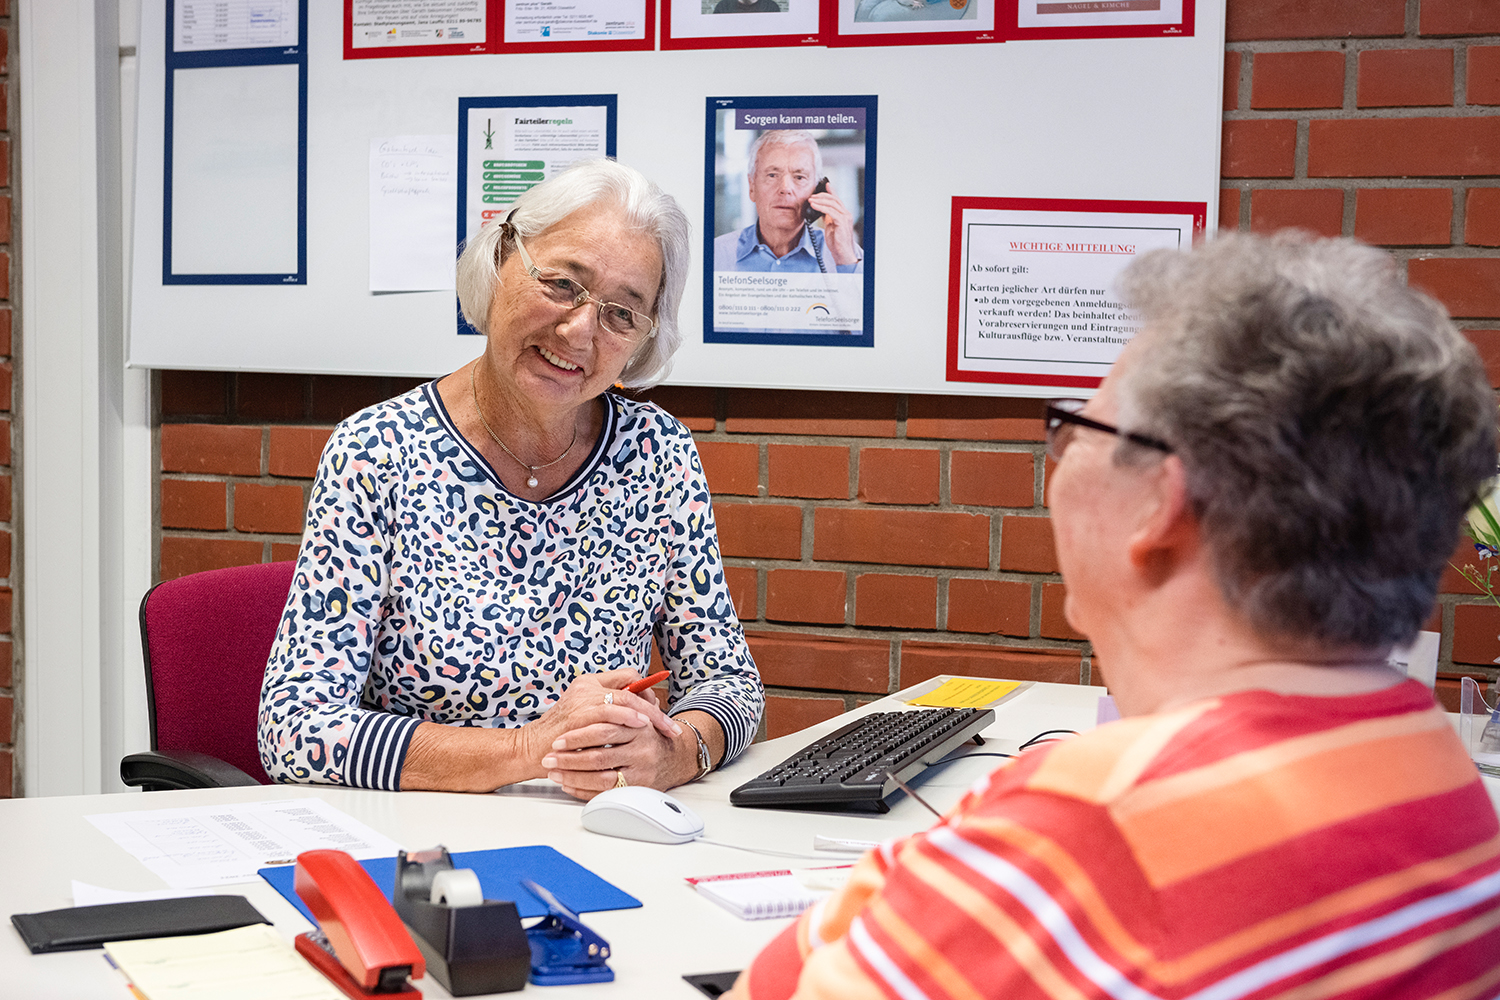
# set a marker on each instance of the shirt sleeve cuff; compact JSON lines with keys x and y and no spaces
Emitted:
{"x":739,"y":731}
{"x":377,"y":751}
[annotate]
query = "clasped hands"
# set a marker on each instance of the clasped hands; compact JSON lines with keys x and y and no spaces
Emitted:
{"x":599,"y":731}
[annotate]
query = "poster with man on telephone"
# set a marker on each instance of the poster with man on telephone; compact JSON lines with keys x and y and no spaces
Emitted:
{"x":790,"y":221}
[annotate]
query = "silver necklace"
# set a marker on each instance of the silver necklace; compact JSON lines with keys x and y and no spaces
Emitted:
{"x":533,"y":469}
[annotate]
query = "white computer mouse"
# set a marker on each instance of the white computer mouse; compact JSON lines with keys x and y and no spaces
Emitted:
{"x":640,"y":813}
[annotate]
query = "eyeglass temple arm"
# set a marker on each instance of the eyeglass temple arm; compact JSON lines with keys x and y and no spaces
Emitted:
{"x":1068,"y":417}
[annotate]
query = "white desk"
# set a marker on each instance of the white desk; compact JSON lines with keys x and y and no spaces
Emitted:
{"x":47,"y":842}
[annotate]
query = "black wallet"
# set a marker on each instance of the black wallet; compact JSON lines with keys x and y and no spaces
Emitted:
{"x":79,"y":927}
{"x":714,"y":984}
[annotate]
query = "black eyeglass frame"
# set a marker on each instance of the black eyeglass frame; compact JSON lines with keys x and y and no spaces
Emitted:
{"x":1057,"y":414}
{"x":582,"y":295}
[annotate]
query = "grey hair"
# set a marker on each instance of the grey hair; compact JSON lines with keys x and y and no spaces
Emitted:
{"x":1333,"y":424}
{"x":785,"y":137}
{"x":646,"y":207}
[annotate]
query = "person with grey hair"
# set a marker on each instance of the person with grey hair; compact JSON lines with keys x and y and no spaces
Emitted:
{"x":488,"y":559}
{"x":1256,"y":504}
{"x":790,"y":193}
{"x":1308,"y":393}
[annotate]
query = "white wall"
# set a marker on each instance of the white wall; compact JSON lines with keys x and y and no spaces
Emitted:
{"x":84,"y":456}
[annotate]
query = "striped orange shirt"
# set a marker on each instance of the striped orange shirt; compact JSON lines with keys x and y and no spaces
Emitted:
{"x":1250,"y":846}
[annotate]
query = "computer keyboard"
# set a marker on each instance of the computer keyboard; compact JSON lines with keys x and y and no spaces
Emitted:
{"x":852,"y":767}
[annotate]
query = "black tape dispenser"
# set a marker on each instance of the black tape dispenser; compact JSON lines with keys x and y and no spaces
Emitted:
{"x":471,"y":944}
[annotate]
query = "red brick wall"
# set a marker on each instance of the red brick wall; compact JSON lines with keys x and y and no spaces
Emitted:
{"x":871,"y":540}
{"x":874,"y":540}
{"x":236,"y":457}
{"x":1380,"y":119}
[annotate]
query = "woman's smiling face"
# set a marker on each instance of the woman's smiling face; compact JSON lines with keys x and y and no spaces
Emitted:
{"x":556,"y":357}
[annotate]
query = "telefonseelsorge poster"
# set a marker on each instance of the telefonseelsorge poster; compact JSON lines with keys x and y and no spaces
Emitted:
{"x":790,"y":221}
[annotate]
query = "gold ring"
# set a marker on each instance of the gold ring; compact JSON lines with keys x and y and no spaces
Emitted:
{"x":620,"y":781}
{"x":609,"y":697}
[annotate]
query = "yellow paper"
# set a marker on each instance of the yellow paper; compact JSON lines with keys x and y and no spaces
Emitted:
{"x":965,"y":692}
{"x":247,"y":963}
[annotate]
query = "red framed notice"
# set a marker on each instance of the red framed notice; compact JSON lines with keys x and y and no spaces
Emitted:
{"x":579,"y":26}
{"x":1030,"y":290}
{"x":909,"y":22}
{"x":394,"y":29}
{"x":1097,"y":18}
{"x":739,"y":24}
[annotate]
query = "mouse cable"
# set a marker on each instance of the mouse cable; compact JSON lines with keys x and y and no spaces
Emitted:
{"x":825,"y":856}
{"x":1047,"y":732}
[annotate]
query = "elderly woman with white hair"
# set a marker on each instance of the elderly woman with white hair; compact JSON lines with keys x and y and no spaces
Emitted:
{"x":488,"y":558}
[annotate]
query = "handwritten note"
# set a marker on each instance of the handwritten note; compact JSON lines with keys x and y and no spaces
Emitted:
{"x":413,"y":195}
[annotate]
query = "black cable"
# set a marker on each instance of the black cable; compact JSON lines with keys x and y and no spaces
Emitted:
{"x":1047,"y":732}
{"x":950,"y":760}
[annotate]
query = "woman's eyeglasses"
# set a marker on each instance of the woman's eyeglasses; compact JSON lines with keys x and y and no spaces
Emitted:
{"x":1063,"y":419}
{"x":622,"y":321}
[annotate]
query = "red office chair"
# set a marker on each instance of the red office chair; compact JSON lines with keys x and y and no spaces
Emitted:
{"x":206,"y":638}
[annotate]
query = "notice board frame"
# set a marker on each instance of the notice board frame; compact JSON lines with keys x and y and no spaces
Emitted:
{"x":237,"y":57}
{"x":1034,"y":119}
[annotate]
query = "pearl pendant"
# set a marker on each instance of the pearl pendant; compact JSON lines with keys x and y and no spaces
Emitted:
{"x":531,"y":482}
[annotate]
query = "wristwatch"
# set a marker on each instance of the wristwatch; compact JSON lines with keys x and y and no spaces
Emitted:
{"x":705,"y":762}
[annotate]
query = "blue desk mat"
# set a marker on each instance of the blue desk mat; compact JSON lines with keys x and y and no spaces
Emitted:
{"x":500,"y":872}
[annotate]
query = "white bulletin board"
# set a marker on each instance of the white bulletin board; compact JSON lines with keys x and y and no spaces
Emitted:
{"x":1080,"y":119}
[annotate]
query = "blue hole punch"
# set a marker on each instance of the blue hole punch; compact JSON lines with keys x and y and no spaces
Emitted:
{"x":563,"y":950}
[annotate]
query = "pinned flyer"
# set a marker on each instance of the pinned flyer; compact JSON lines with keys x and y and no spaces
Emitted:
{"x":1031,"y":285}
{"x":912,"y":22}
{"x":1098,"y":19}
{"x":579,"y":25}
{"x":386,"y":29}
{"x":789,"y":221}
{"x":508,"y":145}
{"x":725,"y":24}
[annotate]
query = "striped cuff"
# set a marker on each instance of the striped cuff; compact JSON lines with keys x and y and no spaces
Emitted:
{"x":739,"y":731}
{"x":377,"y":751}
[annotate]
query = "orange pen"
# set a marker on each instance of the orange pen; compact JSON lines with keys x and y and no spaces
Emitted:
{"x":646,"y":682}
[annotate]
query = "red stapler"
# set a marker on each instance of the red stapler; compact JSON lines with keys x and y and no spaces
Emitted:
{"x":360,"y":943}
